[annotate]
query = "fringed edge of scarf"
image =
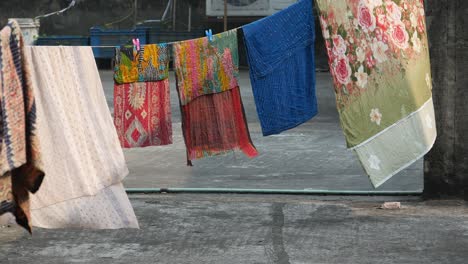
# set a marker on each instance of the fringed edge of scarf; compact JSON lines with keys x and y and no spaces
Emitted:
{"x":245,"y":143}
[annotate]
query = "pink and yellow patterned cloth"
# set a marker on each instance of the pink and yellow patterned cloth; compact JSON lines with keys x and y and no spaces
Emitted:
{"x":379,"y":59}
{"x":213,"y":118}
{"x":206,"y":67}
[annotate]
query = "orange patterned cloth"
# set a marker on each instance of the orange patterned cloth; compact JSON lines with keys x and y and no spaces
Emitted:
{"x":151,"y":63}
{"x":20,"y":163}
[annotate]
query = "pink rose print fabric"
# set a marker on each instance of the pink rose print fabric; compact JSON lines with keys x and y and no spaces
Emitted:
{"x":379,"y":61}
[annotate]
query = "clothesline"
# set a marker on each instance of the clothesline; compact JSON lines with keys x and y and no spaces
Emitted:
{"x":168,"y":43}
{"x":115,"y":46}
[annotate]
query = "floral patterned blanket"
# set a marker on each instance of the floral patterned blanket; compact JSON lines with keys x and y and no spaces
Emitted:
{"x":379,"y":59}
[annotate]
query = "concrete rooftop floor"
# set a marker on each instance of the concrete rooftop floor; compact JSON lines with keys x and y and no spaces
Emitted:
{"x":255,"y":229}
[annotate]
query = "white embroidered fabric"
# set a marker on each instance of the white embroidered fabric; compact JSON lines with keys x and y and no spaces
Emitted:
{"x":399,"y":146}
{"x":83,"y":161}
{"x":109,"y":209}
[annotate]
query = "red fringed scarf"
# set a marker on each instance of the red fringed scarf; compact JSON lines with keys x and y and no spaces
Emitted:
{"x":215,"y":124}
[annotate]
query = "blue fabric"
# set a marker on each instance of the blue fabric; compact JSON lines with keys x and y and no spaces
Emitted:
{"x":280,"y":51}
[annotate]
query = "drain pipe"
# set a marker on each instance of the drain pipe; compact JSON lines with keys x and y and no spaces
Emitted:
{"x":272,"y":191}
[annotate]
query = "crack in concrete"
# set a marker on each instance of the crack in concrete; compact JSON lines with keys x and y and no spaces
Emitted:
{"x":280,"y":256}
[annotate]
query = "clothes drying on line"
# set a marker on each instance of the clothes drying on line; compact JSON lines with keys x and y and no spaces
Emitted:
{"x":80,"y":149}
{"x":280,"y":52}
{"x":213,"y":118}
{"x":379,"y":60}
{"x":21,"y":168}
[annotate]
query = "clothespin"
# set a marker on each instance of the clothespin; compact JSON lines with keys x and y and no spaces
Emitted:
{"x":136,"y":44}
{"x":209,"y":34}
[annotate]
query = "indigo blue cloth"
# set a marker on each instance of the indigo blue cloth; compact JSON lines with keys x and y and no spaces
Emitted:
{"x":280,"y":51}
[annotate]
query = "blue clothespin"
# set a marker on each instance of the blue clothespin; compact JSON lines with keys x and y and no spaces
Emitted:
{"x":209,"y":34}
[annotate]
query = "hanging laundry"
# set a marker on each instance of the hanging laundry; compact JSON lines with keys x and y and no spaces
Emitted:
{"x":213,"y":118}
{"x":142,"y":111}
{"x":142,"y":114}
{"x":20,"y":158}
{"x":215,"y":124}
{"x":280,"y":51}
{"x":379,"y":59}
{"x":206,"y":67}
{"x":150,"y":63}
{"x":82,"y":157}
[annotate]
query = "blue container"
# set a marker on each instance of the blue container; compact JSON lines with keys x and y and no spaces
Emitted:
{"x":114,"y":37}
{"x":62,"y":41}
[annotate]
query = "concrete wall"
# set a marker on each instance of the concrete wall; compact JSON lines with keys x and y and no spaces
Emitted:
{"x":446,"y":166}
